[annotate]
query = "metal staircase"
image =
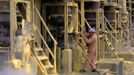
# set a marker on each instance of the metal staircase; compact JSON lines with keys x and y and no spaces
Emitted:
{"x":42,"y":58}
{"x":125,"y":34}
{"x":110,"y":38}
{"x":38,"y":53}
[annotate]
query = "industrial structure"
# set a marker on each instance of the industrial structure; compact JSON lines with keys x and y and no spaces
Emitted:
{"x":42,"y":36}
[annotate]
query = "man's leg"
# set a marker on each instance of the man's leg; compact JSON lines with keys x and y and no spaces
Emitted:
{"x":92,"y":58}
{"x":87,"y":65}
{"x":93,"y":65}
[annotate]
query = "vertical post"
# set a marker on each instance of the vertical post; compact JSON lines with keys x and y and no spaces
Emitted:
{"x":115,"y":28}
{"x":101,"y":19}
{"x":130,"y":22}
{"x":44,"y":33}
{"x":76,"y":15}
{"x":66,"y":24}
{"x":118,"y":34}
{"x":55,"y":47}
{"x":103,"y":30}
{"x":12,"y":26}
{"x":33,"y":12}
{"x":82,"y":20}
{"x":28,"y":11}
{"x":128,"y":33}
{"x":97,"y":32}
{"x":82,"y":15}
{"x":66,"y":53}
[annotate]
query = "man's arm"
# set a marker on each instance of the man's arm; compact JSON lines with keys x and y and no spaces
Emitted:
{"x":88,"y":40}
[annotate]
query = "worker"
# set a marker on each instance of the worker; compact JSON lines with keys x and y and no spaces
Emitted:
{"x":91,"y":39}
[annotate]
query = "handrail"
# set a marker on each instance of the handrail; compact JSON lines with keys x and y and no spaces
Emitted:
{"x":123,"y":28}
{"x":40,"y":65}
{"x":111,"y":34}
{"x":21,"y":16}
{"x":55,"y":47}
{"x":85,"y":20}
{"x":109,"y":24}
{"x":125,"y":35}
{"x":44,"y":24}
{"x":111,"y":50}
{"x":47,"y":29}
{"x":124,"y":25}
{"x":44,"y":41}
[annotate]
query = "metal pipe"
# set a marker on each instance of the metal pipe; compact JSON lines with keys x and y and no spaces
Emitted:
{"x":45,"y":24}
{"x":124,"y":8}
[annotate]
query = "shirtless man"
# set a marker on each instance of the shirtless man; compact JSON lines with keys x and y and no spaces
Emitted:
{"x":91,"y":39}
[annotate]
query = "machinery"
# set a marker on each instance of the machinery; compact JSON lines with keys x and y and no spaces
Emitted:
{"x":42,"y":36}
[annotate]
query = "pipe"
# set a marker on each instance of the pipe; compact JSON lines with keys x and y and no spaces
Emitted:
{"x":124,"y":8}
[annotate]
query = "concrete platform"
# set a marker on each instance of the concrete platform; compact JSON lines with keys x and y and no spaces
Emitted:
{"x":100,"y":72}
{"x":115,"y":65}
{"x":128,"y":68}
{"x":87,"y":73}
{"x":127,"y":55}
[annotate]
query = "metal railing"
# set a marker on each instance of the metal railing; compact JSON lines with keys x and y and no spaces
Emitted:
{"x":110,"y":38}
{"x":109,"y":51}
{"x":34,"y":57}
{"x":111,"y":34}
{"x":108,"y":23}
{"x":125,"y":36}
{"x":108,"y":31}
{"x":89,"y":26}
{"x":82,"y":46}
{"x":44,"y":42}
{"x":39,"y":64}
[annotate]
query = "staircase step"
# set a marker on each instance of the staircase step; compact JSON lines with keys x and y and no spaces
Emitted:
{"x":19,"y":23}
{"x":106,"y":39}
{"x":49,"y":66}
{"x":113,"y":48}
{"x":38,"y":49}
{"x":109,"y":43}
{"x":100,"y":36}
{"x":127,"y":55}
{"x":43,"y":57}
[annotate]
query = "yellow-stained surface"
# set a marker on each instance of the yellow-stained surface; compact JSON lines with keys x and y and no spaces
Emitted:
{"x":48,"y":25}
